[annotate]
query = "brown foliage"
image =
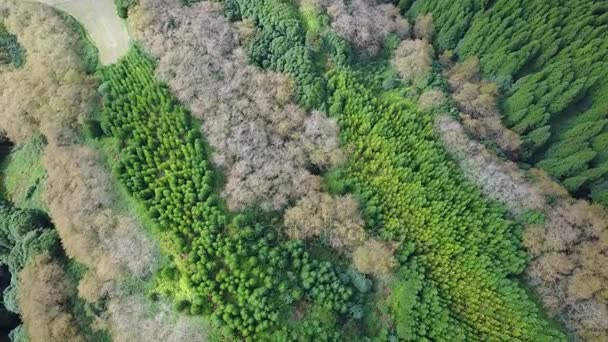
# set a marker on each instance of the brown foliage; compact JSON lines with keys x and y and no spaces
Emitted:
{"x":583,"y":285}
{"x":576,"y":229}
{"x":336,"y":220}
{"x":365,"y":23}
{"x":463,"y":72}
{"x":260,"y":138}
{"x":477,"y":99}
{"x":491,"y":128}
{"x":131,"y":317}
{"x":423,"y":28}
{"x":547,"y":185}
{"x":375,"y":257}
{"x":51,"y":91}
{"x":247,"y":31}
{"x":79,"y":195}
{"x":111,"y":243}
{"x":533,"y":238}
{"x":431,"y":99}
{"x":570,"y":249}
{"x":413,"y":59}
{"x":43,"y":302}
{"x":551,"y":267}
{"x":592,"y":317}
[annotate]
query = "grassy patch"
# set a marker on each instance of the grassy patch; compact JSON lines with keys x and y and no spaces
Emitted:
{"x":22,"y":175}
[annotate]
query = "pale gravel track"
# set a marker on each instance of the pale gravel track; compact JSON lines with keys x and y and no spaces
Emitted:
{"x":99,"y":18}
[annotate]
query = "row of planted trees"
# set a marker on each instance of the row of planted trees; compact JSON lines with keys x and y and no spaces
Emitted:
{"x":236,"y":268}
{"x":457,"y":253}
{"x":454,"y":281}
{"x":549,"y":59}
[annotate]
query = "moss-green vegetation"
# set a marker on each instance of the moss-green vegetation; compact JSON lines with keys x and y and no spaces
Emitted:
{"x":22,"y":175}
{"x":462,"y":246}
{"x":550,"y":60}
{"x":281,"y":46}
{"x":87,"y":50}
{"x":11,"y":52}
{"x":235,"y":268}
{"x":23,"y":233}
{"x":460,"y":250}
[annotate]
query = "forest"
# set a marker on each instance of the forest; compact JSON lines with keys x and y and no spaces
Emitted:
{"x":299,"y":170}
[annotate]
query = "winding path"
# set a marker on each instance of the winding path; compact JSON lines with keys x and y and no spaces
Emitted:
{"x":99,"y":18}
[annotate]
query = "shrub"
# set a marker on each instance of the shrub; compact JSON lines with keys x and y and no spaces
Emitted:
{"x":33,"y":103}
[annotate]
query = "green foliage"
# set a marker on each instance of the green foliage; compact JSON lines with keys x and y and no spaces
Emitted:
{"x":23,"y":233}
{"x":189,"y":2}
{"x":22,"y":174}
{"x":422,"y":197}
{"x":11,"y":51}
{"x":8,"y":320}
{"x":18,"y":334}
{"x":451,"y":18}
{"x":458,"y":284}
{"x":86,"y":49}
{"x":280,"y":46}
{"x":317,"y":325}
{"x":238,"y":269}
{"x":551,"y":58}
{"x":92,"y":129}
{"x":416,"y":307}
{"x":570,"y":165}
{"x":84,"y":313}
{"x":533,"y":217}
{"x":122,"y":7}
{"x":336,"y":181}
{"x":599,"y":193}
{"x":232,"y":10}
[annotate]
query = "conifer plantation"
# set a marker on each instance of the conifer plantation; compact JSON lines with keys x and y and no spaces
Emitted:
{"x":302,"y":170}
{"x":549,"y":61}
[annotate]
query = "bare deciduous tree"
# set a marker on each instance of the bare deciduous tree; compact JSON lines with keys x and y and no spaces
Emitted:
{"x":413,"y":59}
{"x":80,"y":198}
{"x":501,"y":181}
{"x":570,"y":248}
{"x":335,"y":220}
{"x":375,"y":257}
{"x":130,"y":317}
{"x":477,"y":99}
{"x":263,"y":142}
{"x":51,"y":91}
{"x":366,"y":23}
{"x":43,"y":301}
{"x":431,"y":99}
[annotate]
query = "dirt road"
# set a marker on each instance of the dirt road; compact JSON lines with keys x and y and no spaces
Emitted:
{"x":99,"y":18}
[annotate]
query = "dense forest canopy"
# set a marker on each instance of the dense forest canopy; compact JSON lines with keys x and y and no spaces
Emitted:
{"x":295,"y":170}
{"x":549,"y":59}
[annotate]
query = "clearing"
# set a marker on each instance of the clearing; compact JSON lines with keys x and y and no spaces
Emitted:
{"x":99,"y":18}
